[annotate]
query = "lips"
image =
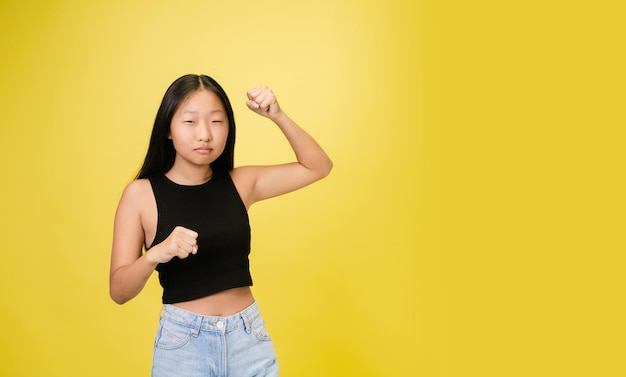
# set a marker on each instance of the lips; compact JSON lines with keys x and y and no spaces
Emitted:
{"x":203,"y":150}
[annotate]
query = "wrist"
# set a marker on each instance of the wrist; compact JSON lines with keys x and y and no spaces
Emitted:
{"x":279,"y":117}
{"x":150,"y":259}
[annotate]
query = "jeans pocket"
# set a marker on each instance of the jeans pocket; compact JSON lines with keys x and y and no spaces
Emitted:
{"x":172,"y":335}
{"x":259,"y":330}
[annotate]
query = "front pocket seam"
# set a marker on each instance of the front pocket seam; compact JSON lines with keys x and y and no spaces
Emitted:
{"x":170,"y":336}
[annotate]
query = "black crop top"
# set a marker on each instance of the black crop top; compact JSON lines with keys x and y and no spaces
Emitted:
{"x":216,"y":212}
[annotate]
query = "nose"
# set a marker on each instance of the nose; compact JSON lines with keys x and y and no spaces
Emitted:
{"x":204,"y":132}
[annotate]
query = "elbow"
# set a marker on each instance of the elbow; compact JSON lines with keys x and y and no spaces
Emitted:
{"x":327,"y":168}
{"x":117,"y":297}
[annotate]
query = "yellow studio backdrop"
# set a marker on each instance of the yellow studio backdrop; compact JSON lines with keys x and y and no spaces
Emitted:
{"x":473,"y":224}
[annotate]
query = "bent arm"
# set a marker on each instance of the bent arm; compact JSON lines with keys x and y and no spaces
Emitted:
{"x":130,"y":270}
{"x":262,"y":182}
{"x":312,"y":165}
{"x":308,"y":152}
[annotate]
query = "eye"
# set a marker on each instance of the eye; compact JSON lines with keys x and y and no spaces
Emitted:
{"x":217,"y":121}
{"x":188,"y":121}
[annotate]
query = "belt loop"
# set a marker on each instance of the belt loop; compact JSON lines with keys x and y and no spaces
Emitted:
{"x":196,"y":330}
{"x":246,"y":322}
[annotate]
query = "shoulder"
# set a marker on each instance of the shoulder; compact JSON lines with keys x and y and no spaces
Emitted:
{"x":138,"y":188}
{"x":137,"y":195}
{"x":244,"y":178}
{"x":242,"y":173}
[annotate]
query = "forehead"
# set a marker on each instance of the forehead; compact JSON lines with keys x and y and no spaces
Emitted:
{"x":201,"y":101}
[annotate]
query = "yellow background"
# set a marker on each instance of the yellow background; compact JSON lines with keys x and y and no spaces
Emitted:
{"x":473,"y":224}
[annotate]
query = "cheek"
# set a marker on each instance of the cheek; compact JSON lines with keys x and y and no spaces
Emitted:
{"x":223,"y":132}
{"x":178,"y":134}
{"x":178,"y":141}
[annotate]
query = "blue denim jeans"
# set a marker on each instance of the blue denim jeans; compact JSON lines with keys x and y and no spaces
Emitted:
{"x":189,"y":345}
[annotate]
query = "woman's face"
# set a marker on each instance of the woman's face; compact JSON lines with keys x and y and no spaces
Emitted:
{"x":199,"y":128}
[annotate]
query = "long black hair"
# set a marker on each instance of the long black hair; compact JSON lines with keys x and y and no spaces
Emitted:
{"x":161,"y":154}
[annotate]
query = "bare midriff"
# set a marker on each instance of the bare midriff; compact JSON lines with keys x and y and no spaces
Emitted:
{"x":221,"y":304}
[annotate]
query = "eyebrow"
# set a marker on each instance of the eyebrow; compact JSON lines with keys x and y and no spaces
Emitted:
{"x":195,"y":112}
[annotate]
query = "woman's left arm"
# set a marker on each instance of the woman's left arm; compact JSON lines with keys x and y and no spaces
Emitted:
{"x":262,"y":182}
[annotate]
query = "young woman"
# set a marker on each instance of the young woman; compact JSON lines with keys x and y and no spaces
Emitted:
{"x":188,"y":208}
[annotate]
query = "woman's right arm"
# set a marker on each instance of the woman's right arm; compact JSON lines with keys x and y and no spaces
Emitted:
{"x":130,"y":270}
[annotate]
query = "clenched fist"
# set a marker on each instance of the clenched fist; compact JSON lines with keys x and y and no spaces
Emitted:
{"x":180,"y":243}
{"x":262,"y":101}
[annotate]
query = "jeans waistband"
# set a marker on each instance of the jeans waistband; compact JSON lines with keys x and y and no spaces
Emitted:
{"x":199,"y":322}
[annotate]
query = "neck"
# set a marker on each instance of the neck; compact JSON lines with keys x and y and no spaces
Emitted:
{"x":190,"y":175}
